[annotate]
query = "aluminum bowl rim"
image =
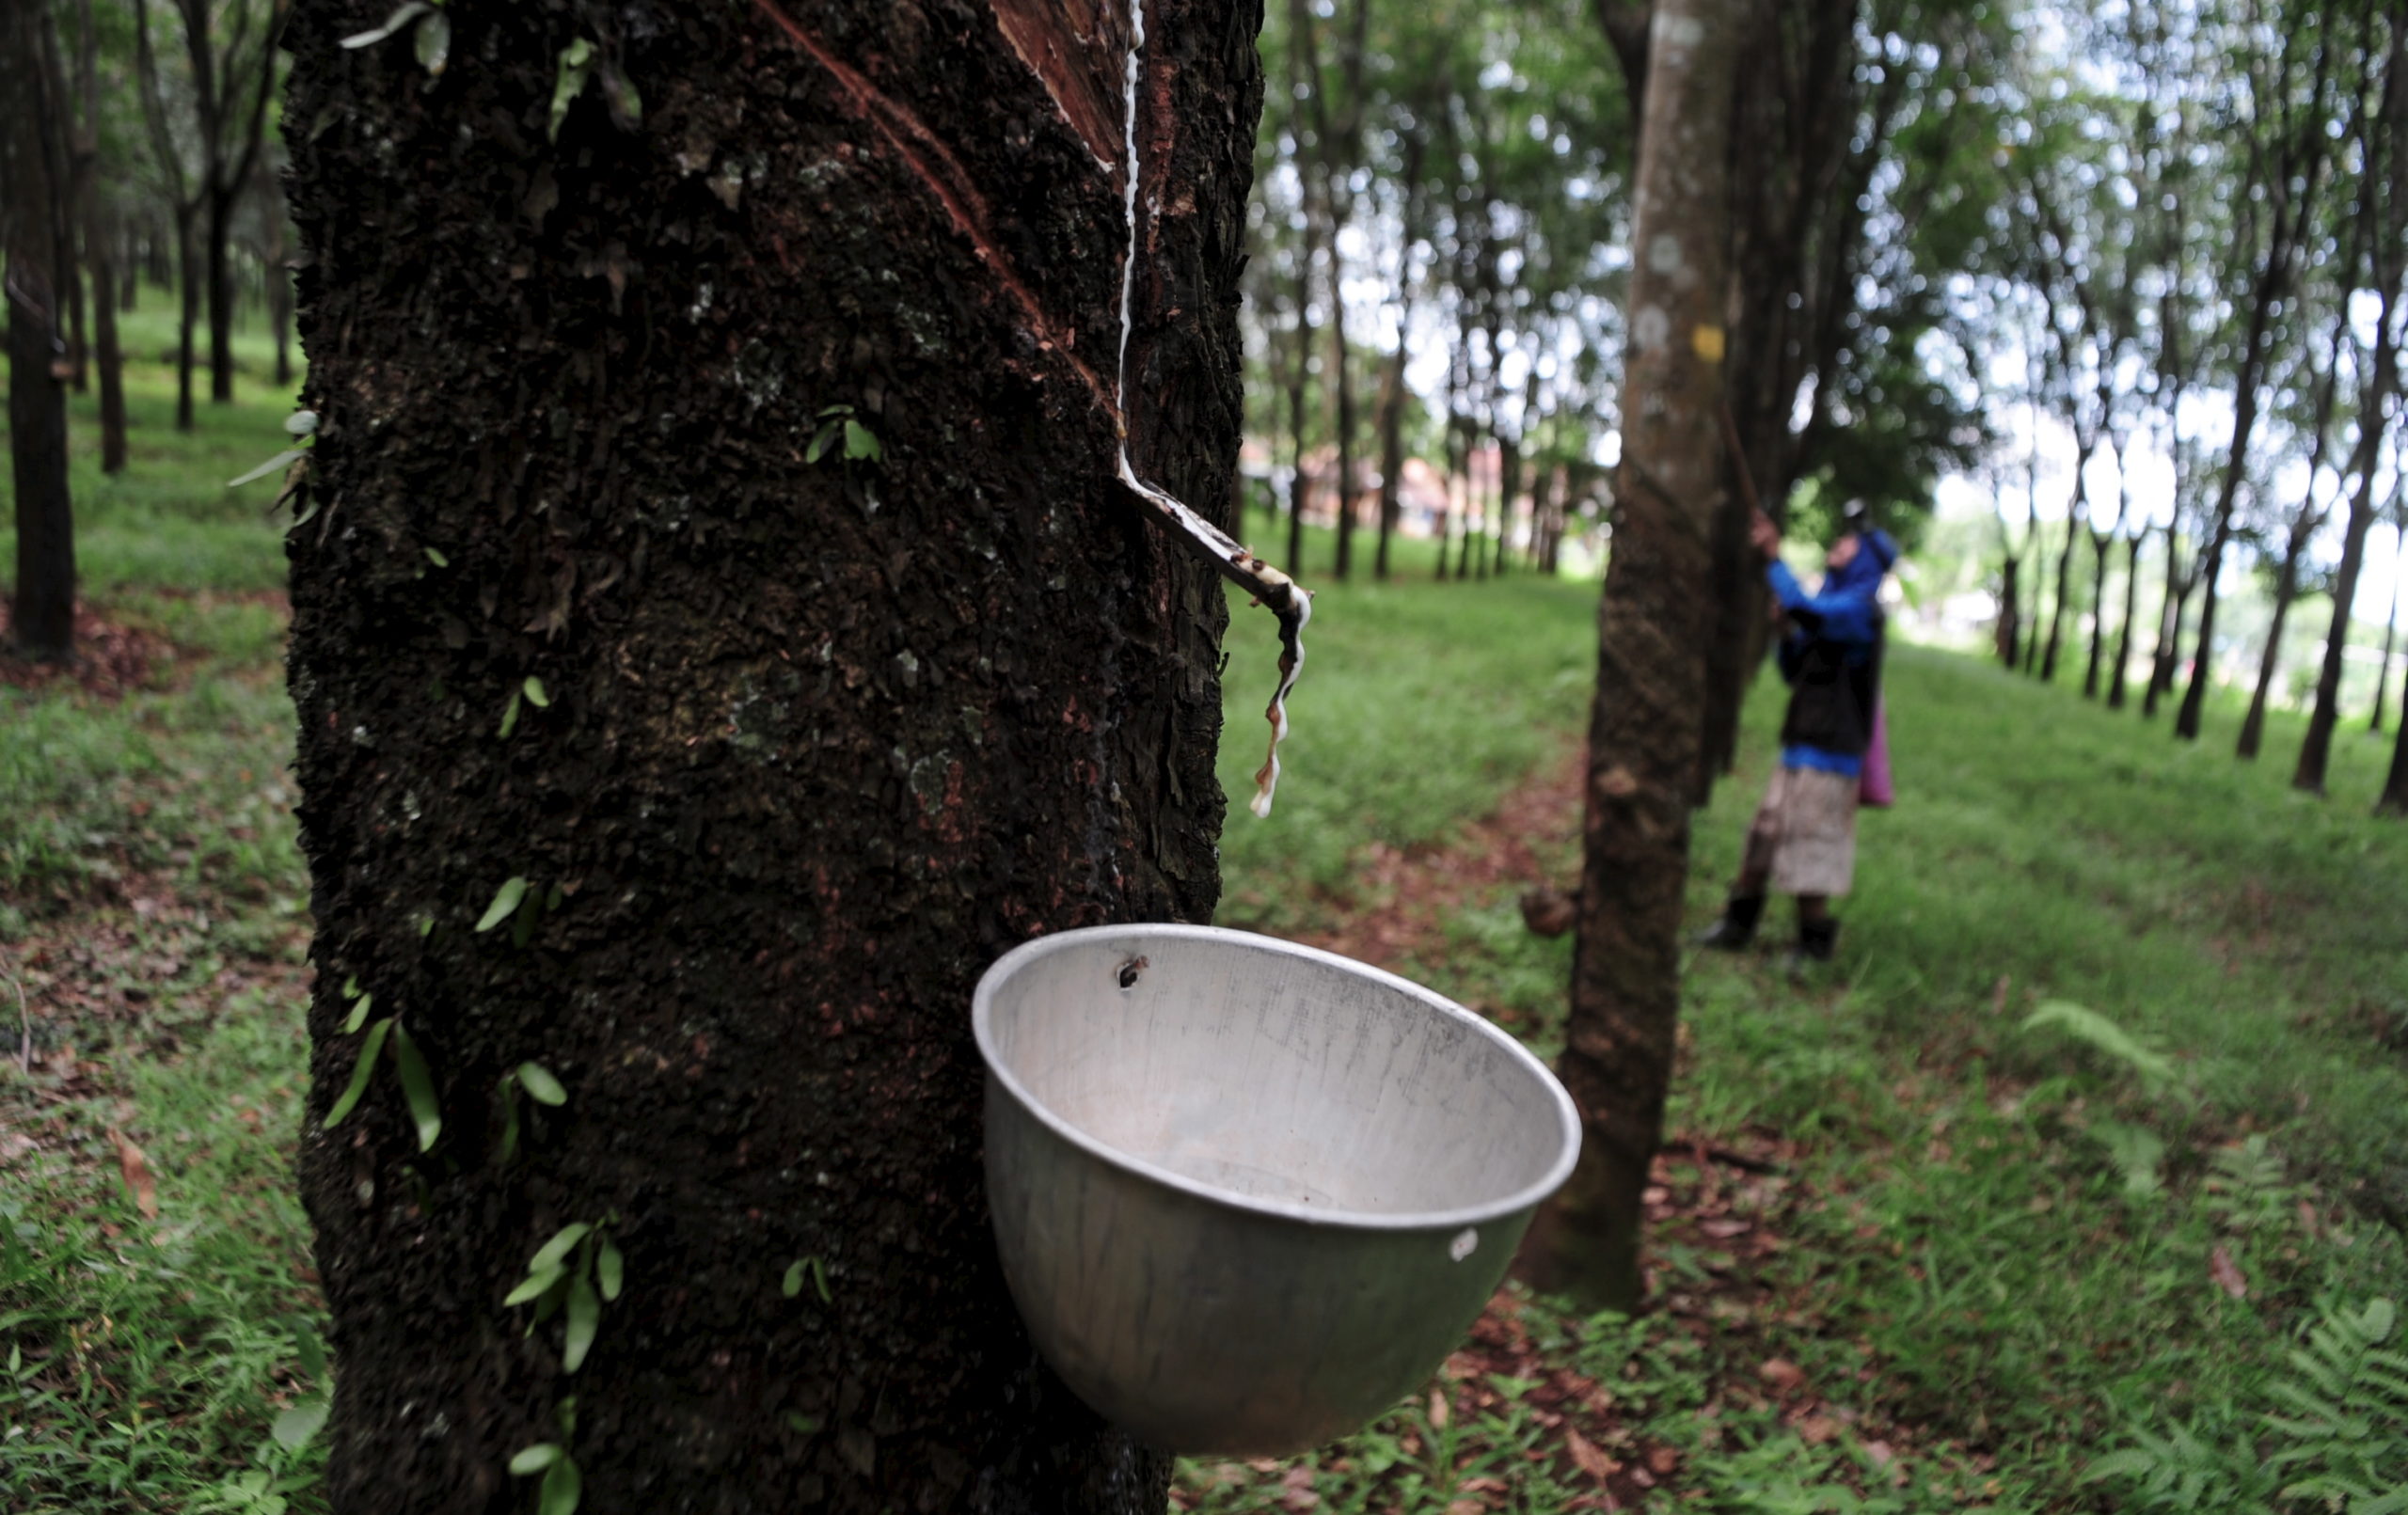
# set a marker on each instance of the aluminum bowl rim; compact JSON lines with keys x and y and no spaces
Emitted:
{"x":1528,"y":1197}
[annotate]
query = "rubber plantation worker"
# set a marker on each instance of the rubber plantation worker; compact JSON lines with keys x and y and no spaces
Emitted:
{"x":1803,"y":839}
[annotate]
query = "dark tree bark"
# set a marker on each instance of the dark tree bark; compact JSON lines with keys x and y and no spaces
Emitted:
{"x":823,"y":737}
{"x":2394,"y":798}
{"x":2386,"y":146}
{"x":2383,"y":669}
{"x":1299,"y":488}
{"x":72,"y":170}
{"x":1391,"y":458}
{"x":100,"y":242}
{"x":32,"y":159}
{"x":2074,"y":530}
{"x":2007,"y":639}
{"x":2131,"y":608}
{"x":2293,"y":189}
{"x":2305,"y":521}
{"x":1644,"y":731}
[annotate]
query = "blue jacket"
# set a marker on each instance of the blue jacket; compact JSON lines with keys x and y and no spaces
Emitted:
{"x":1832,"y":659}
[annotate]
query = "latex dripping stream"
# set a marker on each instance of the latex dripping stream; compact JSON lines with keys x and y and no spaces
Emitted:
{"x":1286,"y":599}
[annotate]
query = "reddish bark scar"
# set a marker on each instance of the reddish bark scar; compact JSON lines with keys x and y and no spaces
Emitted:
{"x":934,"y":163}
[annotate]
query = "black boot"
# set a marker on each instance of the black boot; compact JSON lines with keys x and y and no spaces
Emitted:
{"x":1737,"y":926}
{"x":1818,"y":941}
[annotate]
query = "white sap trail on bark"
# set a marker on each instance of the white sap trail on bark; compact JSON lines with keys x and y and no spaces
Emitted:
{"x":1268,"y":585}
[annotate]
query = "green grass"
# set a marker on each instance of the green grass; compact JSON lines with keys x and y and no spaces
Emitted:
{"x":147,"y":845}
{"x":2004,"y":1243}
{"x":2014,"y":1230}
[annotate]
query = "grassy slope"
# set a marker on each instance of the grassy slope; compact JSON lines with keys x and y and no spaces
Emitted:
{"x":2016,"y":1230}
{"x":1988,"y":1231}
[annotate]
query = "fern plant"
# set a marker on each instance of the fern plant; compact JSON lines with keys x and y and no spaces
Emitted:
{"x":2247,"y":1188}
{"x":2346,"y":1431}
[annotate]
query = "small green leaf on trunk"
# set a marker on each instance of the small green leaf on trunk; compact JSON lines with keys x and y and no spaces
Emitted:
{"x":402,"y":16}
{"x":584,"y":1318}
{"x":418,"y":1087}
{"x":369,"y":1051}
{"x":358,"y":1014}
{"x":534,"y":1458}
{"x":576,"y":63}
{"x":610,"y":1270}
{"x":537,"y":1283}
{"x":435,"y":44}
{"x":859,"y":443}
{"x":560,"y":1489}
{"x":538,"y":1081}
{"x":792,"y":1285}
{"x":505,"y":900}
{"x":435,"y":556}
{"x":550,"y":1255}
{"x":280,"y":460}
{"x":509,"y":723}
{"x":534,"y":690}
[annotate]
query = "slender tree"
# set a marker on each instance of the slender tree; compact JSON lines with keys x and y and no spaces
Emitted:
{"x":1644,"y":733}
{"x":2305,"y":519}
{"x":2290,"y":170}
{"x":32,"y":185}
{"x":2385,"y":202}
{"x":2390,"y":616}
{"x":775,"y":392}
{"x":100,"y":242}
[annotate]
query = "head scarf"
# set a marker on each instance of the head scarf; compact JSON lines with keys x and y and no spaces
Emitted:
{"x":1875,"y":552}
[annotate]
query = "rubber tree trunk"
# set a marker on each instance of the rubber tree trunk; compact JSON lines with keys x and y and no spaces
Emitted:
{"x":2253,"y":725}
{"x":32,"y":115}
{"x":1299,"y":489}
{"x":218,"y":230}
{"x":2316,"y":748}
{"x":1646,"y":727}
{"x":2074,"y":529}
{"x":1391,"y":455}
{"x":823,"y":736}
{"x":108,"y":355}
{"x":2131,"y":607}
{"x":2100,"y":542}
{"x":2383,"y":669}
{"x":2165,"y":658}
{"x":2007,"y":639}
{"x":187,"y":313}
{"x":2394,"y":798}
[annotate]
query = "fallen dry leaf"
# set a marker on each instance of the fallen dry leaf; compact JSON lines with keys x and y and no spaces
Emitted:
{"x":1816,"y":1428}
{"x":1438,"y":1409}
{"x":1465,"y":1507}
{"x":1587,"y":1458}
{"x":1725,"y":1230}
{"x":1784,"y":1376}
{"x":137,"y":1171}
{"x":1665,"y":1461}
{"x":2228,"y":1277}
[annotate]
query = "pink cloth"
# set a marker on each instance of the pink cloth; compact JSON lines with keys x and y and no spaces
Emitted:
{"x":1874,"y":789}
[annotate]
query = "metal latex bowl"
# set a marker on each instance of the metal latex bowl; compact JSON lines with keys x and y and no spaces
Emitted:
{"x":1249,"y":1194}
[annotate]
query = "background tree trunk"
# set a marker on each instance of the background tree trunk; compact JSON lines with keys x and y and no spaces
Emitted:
{"x":1645,"y":731}
{"x":2131,"y":607}
{"x":2390,"y":630}
{"x":2253,"y":725}
{"x":2074,"y":527}
{"x":821,"y":740}
{"x":32,"y":116}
